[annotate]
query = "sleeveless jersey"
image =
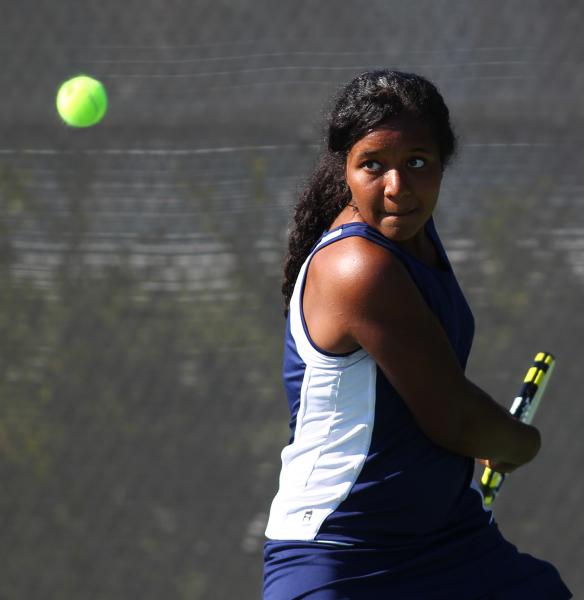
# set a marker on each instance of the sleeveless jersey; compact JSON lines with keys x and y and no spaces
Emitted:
{"x":368,"y":506}
{"x":358,"y":469}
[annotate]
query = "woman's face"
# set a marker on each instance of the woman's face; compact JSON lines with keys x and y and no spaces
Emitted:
{"x":394,"y":174}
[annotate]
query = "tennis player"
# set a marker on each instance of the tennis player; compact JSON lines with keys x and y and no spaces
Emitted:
{"x":376,"y":496}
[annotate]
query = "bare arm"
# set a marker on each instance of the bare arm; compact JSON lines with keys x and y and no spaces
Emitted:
{"x":384,"y":312}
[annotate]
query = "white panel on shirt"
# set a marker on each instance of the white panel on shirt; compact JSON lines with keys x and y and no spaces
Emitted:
{"x":332,"y":436}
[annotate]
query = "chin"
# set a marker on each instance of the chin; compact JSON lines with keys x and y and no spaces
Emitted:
{"x":398,"y":232}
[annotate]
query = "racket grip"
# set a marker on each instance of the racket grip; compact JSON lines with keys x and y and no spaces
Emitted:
{"x":491,"y":483}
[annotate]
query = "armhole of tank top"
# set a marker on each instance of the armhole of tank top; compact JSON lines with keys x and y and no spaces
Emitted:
{"x":376,"y":238}
{"x":326,"y":240}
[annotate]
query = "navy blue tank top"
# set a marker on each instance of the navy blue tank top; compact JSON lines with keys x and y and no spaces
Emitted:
{"x":367,"y":506}
{"x":358,"y":469}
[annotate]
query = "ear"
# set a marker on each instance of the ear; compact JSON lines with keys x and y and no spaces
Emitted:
{"x":345,"y":189}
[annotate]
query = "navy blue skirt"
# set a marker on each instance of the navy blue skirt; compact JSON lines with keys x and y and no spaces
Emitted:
{"x":297,"y":570}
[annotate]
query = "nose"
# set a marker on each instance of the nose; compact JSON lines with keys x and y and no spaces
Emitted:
{"x":395,"y":184}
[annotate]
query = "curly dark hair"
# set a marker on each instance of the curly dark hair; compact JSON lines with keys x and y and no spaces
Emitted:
{"x":370,"y":99}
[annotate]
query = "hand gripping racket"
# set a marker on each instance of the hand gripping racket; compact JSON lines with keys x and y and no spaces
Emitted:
{"x":524,"y":407}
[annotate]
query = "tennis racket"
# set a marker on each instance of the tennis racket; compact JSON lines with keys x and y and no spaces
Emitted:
{"x":524,"y":408}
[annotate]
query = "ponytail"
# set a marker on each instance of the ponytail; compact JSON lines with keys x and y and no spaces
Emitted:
{"x":323,"y":199}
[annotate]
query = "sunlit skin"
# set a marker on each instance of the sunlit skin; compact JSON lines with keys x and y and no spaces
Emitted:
{"x":359,"y":295}
{"x":394,"y":174}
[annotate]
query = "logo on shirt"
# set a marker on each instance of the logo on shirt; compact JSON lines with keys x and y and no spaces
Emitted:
{"x":307,"y":516}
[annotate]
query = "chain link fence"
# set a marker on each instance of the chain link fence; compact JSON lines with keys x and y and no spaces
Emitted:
{"x":141,"y":409}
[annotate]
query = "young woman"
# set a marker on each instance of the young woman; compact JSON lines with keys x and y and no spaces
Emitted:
{"x":376,"y":496}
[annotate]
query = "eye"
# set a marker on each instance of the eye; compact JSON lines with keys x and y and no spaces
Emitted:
{"x":417,"y":163}
{"x":372,"y":165}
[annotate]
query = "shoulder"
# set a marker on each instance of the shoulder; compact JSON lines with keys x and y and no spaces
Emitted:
{"x":356,"y":267}
{"x":351,"y":285}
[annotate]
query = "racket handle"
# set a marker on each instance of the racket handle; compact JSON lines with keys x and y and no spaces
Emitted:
{"x":523,"y":408}
{"x":491,"y":483}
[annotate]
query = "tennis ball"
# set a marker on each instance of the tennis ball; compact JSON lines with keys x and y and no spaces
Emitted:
{"x":82,"y":101}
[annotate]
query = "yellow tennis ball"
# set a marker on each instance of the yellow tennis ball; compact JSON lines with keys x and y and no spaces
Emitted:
{"x":82,"y":101}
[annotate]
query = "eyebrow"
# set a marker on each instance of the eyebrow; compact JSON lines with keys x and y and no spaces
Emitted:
{"x":368,"y":153}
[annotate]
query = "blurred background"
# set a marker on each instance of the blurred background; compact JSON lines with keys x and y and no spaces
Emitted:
{"x":141,"y":410}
